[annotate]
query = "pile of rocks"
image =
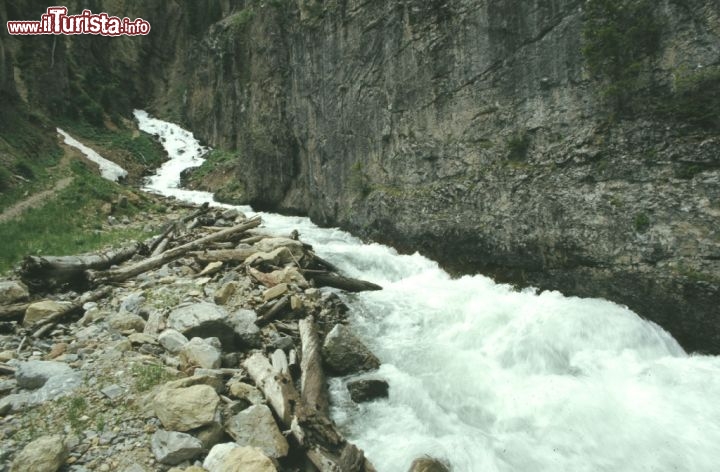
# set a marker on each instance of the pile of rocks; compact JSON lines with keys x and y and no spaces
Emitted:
{"x":160,"y":372}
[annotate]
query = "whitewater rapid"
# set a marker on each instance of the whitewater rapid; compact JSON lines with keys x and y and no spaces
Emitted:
{"x":488,"y":378}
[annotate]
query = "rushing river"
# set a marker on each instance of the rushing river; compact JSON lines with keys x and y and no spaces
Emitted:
{"x":492,"y":379}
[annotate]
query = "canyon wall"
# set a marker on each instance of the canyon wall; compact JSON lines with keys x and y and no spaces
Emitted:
{"x":477,"y":132}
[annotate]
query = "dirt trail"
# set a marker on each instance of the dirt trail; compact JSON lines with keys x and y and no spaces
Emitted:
{"x":35,"y":200}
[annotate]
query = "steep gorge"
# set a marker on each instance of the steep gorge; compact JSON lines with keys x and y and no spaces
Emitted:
{"x":470,"y":130}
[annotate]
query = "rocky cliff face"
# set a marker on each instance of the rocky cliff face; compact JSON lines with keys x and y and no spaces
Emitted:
{"x":473,"y":131}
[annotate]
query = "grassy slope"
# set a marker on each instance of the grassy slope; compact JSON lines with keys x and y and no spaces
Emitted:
{"x":74,"y":220}
{"x":28,"y":153}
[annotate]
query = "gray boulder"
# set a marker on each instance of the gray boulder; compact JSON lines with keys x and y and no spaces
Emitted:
{"x":255,"y":426}
{"x":235,"y":330}
{"x":188,"y":319}
{"x":247,"y":333}
{"x":367,"y":390}
{"x":345,"y":354}
{"x":34,"y":374}
{"x":47,"y":380}
{"x":171,"y":447}
{"x":132,"y":303}
{"x":200,"y":353}
{"x":172,"y":340}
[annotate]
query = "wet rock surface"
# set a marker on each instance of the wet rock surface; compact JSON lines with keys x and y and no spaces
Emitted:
{"x":368,"y":390}
{"x":344,"y":353}
{"x":428,"y":464}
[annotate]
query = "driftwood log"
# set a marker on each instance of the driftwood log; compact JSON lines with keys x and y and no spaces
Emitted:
{"x":328,"y":279}
{"x":51,"y":272}
{"x":224,"y":255}
{"x":317,"y":262}
{"x":273,"y":311}
{"x":324,"y":446}
{"x":277,"y":388}
{"x":312,"y":378}
{"x":160,"y":243}
{"x":124,"y":273}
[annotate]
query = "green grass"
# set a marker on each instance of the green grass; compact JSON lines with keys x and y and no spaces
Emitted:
{"x":215,"y":159}
{"x":69,"y":224}
{"x":232,"y":193}
{"x":148,"y":376}
{"x":28,"y":150}
{"x":75,"y":408}
{"x":143,"y":148}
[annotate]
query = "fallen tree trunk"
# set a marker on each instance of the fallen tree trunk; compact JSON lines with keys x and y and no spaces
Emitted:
{"x":274,"y":311}
{"x":162,"y":245}
{"x":200,"y":211}
{"x":224,"y":255}
{"x":312,"y":380}
{"x":324,"y":446}
{"x":317,"y":262}
{"x":123,"y":273}
{"x":49,"y":272}
{"x":329,"y":279}
{"x":277,"y":388}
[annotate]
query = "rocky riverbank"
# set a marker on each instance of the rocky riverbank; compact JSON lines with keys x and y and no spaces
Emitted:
{"x":161,"y":371}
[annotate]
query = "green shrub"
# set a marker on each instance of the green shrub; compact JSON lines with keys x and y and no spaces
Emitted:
{"x":149,"y":376}
{"x":642,"y":222}
{"x":5,"y":179}
{"x":215,"y":158}
{"x":688,"y":171}
{"x":696,"y":97}
{"x":618,"y":37}
{"x":240,"y":20}
{"x":75,"y":409}
{"x":359,"y":182}
{"x":23,"y":169}
{"x":518,"y":146}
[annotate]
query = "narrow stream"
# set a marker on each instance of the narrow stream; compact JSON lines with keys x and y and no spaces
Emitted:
{"x":491,"y":379}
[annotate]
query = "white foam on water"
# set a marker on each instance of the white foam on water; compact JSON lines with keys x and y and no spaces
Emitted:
{"x":489,"y":378}
{"x":108,"y":169}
